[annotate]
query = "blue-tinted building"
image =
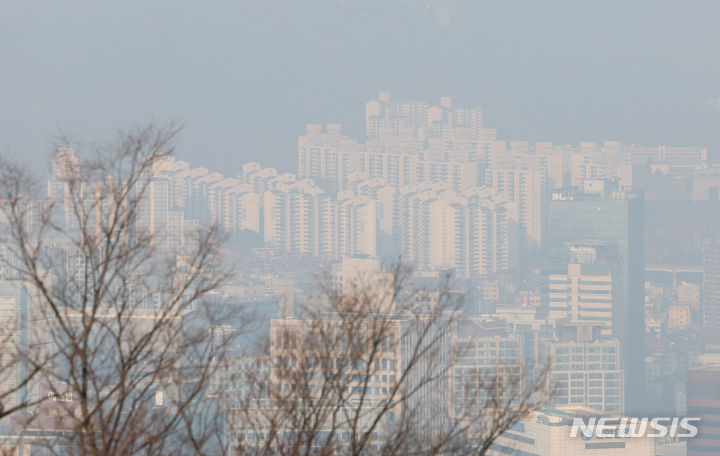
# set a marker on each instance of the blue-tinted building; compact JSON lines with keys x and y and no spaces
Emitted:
{"x":616,"y":220}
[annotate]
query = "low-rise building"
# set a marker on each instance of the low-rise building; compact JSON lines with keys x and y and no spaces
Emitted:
{"x":548,"y":432}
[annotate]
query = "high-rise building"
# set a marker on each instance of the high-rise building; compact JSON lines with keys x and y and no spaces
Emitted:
{"x":313,"y":360}
{"x":328,"y":158}
{"x":589,"y":163}
{"x":442,"y":229}
{"x":615,"y":220}
{"x":299,"y":217}
{"x":353,"y":275}
{"x":586,"y":372}
{"x":706,"y":183}
{"x":711,"y":291}
{"x":13,"y":341}
{"x":582,"y":293}
{"x":77,"y":201}
{"x":393,"y":161}
{"x":356,"y":226}
{"x":665,"y":154}
{"x":487,"y":366}
{"x":384,"y":118}
{"x":703,"y":401}
{"x":153,"y":208}
{"x":526,"y":190}
{"x":237,"y":377}
{"x":386,"y":206}
{"x":533,"y":329}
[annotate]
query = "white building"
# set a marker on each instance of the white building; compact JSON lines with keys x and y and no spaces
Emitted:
{"x":582,"y":293}
{"x":13,"y":341}
{"x":586,"y":373}
{"x":442,"y":229}
{"x":299,"y":218}
{"x":356,"y":226}
{"x":486,"y":362}
{"x":548,"y":433}
{"x":526,"y":190}
{"x":328,"y":155}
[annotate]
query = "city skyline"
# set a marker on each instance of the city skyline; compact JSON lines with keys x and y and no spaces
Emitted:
{"x":542,"y":249}
{"x":360,"y":227}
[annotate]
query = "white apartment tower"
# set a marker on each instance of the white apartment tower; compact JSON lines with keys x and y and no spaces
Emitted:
{"x":356,"y":226}
{"x":526,"y":190}
{"x":327,"y":155}
{"x":299,"y":218}
{"x":441,"y":229}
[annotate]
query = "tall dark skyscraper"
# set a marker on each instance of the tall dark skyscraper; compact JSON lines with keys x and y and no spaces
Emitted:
{"x":616,"y":220}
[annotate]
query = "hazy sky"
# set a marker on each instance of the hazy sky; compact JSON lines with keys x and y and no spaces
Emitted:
{"x":245,"y":76}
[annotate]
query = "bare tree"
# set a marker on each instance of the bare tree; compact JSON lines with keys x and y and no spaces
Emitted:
{"x":364,"y":369}
{"x":117,"y":355}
